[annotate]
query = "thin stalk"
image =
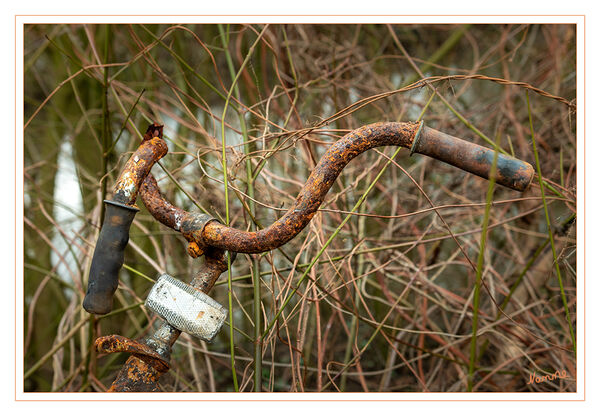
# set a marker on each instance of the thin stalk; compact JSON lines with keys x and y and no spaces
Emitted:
{"x":328,"y":242}
{"x":550,"y":233}
{"x":377,"y":249}
{"x":479,"y":273}
{"x":255,"y":269}
{"x":294,"y":101}
{"x":378,"y":329}
{"x":517,"y":282}
{"x":182,"y":189}
{"x":82,"y":108}
{"x":126,"y":120}
{"x":105,"y":122}
{"x":39,"y":51}
{"x":446,"y":47}
{"x":510,"y":146}
{"x":56,"y":347}
{"x":54,"y":276}
{"x":159,"y":163}
{"x":91,"y":362}
{"x":125,"y":112}
{"x":552,"y":188}
{"x":514,"y":287}
{"x":359,"y":272}
{"x":354,"y":321}
{"x":91,"y":319}
{"x":294,"y":76}
{"x":184,"y":63}
{"x":257,"y":316}
{"x":131,"y":269}
{"x":562,"y":173}
{"x":225,"y":183}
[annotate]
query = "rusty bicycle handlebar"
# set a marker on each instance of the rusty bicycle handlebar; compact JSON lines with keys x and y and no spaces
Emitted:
{"x":511,"y":172}
{"x":202,"y":231}
{"x":207,"y":236}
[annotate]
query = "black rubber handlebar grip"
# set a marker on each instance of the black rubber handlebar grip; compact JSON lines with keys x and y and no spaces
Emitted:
{"x":108,"y":257}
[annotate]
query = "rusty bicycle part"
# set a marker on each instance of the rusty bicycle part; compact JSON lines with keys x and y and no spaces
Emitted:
{"x":150,"y":355}
{"x":203,"y":231}
{"x":120,"y":211}
{"x":511,"y":172}
{"x":206,"y":236}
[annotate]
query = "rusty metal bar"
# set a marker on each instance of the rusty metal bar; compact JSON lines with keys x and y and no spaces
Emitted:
{"x":473,"y":158}
{"x":215,"y":234}
{"x":150,"y":151}
{"x":510,"y":172}
{"x":109,"y":253}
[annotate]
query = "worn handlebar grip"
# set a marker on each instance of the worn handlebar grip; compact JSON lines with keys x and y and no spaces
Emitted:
{"x":108,"y":257}
{"x":510,"y":172}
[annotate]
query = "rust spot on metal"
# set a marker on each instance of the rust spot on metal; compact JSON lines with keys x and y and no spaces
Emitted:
{"x":150,"y":151}
{"x":141,"y":371}
{"x":313,"y":193}
{"x":159,"y":207}
{"x":136,"y":375}
{"x":118,"y":343}
{"x":116,"y":220}
{"x":194,"y":250}
{"x":215,"y":263}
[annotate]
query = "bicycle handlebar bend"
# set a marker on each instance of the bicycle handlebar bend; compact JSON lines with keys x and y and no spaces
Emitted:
{"x":473,"y":158}
{"x":203,"y":232}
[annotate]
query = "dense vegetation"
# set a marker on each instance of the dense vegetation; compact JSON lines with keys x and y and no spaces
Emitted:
{"x":410,"y":295}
